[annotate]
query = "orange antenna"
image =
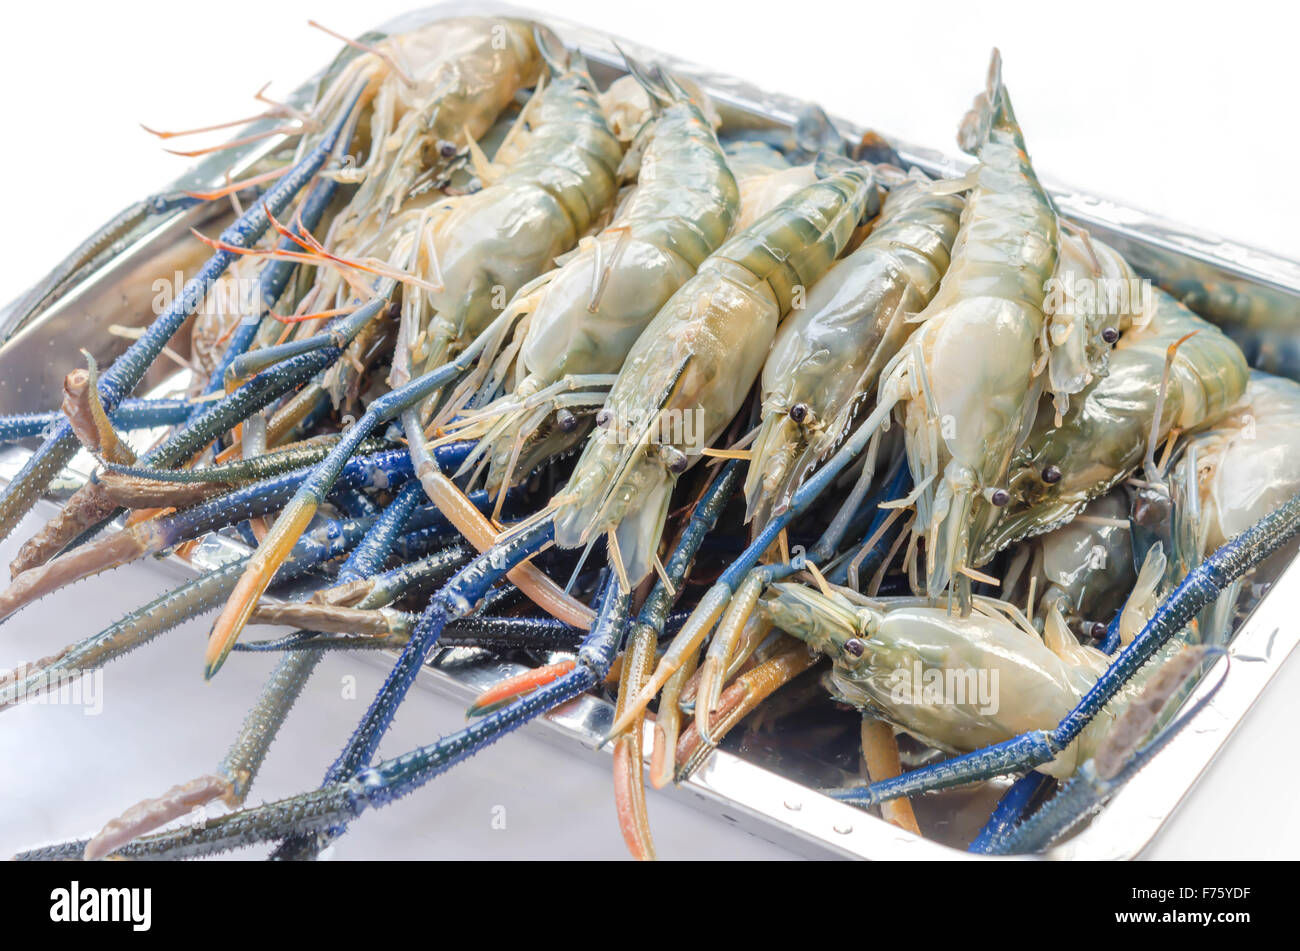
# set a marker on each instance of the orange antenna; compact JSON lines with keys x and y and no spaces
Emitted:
{"x":233,"y":187}
{"x":235,"y":143}
{"x":164,"y":134}
{"x":300,"y":318}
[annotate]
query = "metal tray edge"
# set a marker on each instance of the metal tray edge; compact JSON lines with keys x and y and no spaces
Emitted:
{"x":764,"y":803}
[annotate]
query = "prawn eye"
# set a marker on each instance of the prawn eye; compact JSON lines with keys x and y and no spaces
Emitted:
{"x":1000,"y":497}
{"x":674,"y":459}
{"x":1098,"y":630}
{"x":566,"y":421}
{"x":855,"y":647}
{"x":799,"y":412}
{"x":1110,"y":335}
{"x":447,"y":149}
{"x":604,"y":417}
{"x":1051,"y":475}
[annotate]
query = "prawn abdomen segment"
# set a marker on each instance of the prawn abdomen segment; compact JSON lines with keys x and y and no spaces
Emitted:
{"x":590,"y":311}
{"x":1012,"y":257}
{"x":792,"y":246}
{"x":493,"y":242}
{"x":567,"y":335}
{"x":465,"y":61}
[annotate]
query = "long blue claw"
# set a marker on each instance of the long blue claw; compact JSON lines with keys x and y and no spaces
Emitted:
{"x":130,"y":414}
{"x":1086,"y":790}
{"x":455,"y":599}
{"x":1009,"y":811}
{"x":337,"y":335}
{"x":397,"y":777}
{"x":1018,"y":753}
{"x":368,"y":557}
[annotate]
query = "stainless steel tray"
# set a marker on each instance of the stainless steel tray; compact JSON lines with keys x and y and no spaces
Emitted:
{"x":1251,"y":293}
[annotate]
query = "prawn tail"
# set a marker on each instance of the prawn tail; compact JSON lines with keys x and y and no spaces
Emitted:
{"x":815,"y":133}
{"x":828,"y":163}
{"x":662,"y":90}
{"x":991,"y":110}
{"x":557,"y":56}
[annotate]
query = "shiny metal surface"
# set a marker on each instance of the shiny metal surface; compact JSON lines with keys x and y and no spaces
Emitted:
{"x":1251,"y":293}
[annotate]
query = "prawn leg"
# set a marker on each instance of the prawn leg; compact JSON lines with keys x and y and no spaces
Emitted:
{"x":169,"y":610}
{"x":315,"y":816}
{"x":90,"y":506}
{"x":1009,"y":811}
{"x":735,"y":703}
{"x":393,"y":779}
{"x":629,"y":785}
{"x":715,"y":600}
{"x":300,"y":509}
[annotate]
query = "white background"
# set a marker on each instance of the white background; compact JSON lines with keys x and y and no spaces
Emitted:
{"x":1183,"y":109}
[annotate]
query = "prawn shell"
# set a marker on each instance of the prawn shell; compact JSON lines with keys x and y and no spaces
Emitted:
{"x":491,"y":243}
{"x":830,"y":352}
{"x":691,"y":369}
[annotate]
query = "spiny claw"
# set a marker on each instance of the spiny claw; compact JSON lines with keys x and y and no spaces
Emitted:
{"x":85,"y":411}
{"x":730,"y":630}
{"x":667,"y":724}
{"x":880,"y":751}
{"x":629,"y":797}
{"x":151,"y":814}
{"x":510,"y":689}
{"x":737,"y":702}
{"x":707,"y":695}
{"x":115,"y":549}
{"x":254,"y":582}
{"x":637,"y":705}
{"x":629,"y":778}
{"x":471,"y":523}
{"x":685,"y":644}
